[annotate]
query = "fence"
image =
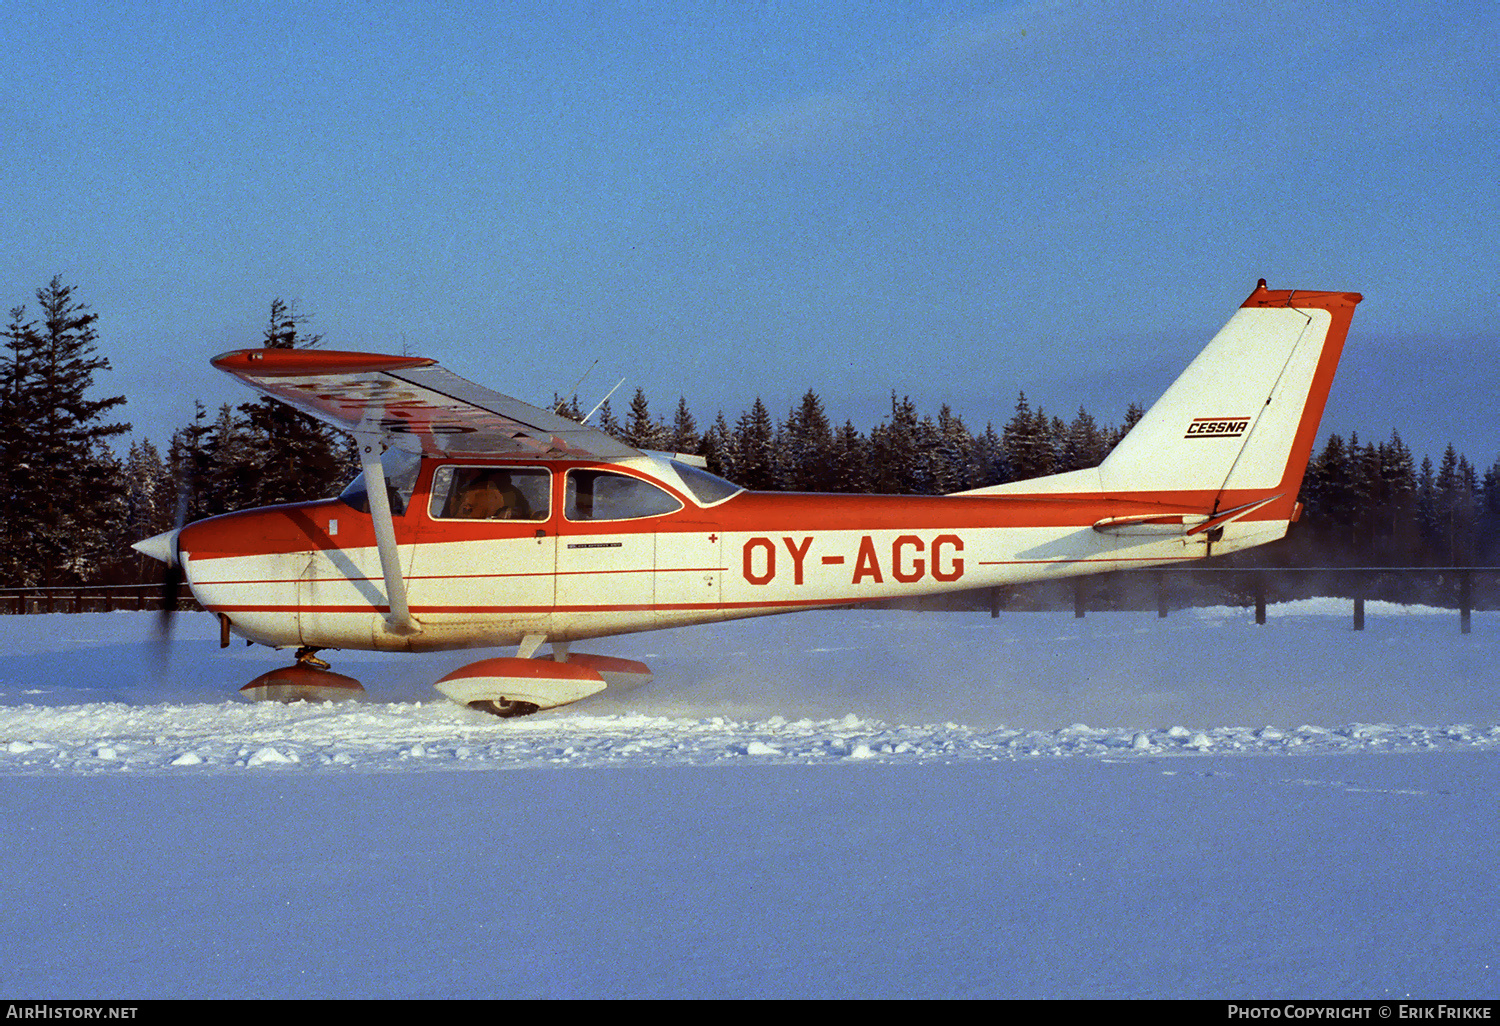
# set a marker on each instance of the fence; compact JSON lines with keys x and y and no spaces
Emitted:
{"x":1463,"y":588}
{"x":1452,"y":587}
{"x":88,"y":598}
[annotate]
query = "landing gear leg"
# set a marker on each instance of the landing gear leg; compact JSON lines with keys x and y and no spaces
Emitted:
{"x":308,"y":656}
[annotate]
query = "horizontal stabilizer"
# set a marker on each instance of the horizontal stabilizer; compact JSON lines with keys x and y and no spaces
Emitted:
{"x":1186,"y":524}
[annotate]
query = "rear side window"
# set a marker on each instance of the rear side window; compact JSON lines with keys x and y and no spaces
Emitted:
{"x":604,"y":495}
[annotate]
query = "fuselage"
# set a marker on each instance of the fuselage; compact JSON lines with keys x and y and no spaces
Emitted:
{"x":599,"y":549}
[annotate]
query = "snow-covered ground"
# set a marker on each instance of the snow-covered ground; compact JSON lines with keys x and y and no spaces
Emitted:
{"x":841,"y":803}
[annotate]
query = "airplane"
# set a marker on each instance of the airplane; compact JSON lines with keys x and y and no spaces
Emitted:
{"x":479,"y":521}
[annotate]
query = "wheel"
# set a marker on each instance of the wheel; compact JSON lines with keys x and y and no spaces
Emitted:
{"x":505,"y":708}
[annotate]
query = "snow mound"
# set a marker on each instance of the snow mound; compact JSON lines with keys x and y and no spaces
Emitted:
{"x":403,"y":737}
{"x":89,"y":694}
{"x":1333,"y":607}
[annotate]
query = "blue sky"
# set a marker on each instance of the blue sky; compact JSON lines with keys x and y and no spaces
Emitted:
{"x":952,"y":201}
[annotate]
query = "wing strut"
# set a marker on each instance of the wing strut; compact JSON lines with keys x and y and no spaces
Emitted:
{"x":370,"y":450}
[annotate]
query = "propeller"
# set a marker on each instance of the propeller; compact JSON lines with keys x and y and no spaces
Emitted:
{"x":163,"y":547}
{"x":171,"y":591}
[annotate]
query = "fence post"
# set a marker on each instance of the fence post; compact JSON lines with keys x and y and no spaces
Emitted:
{"x":1161,"y":595}
{"x":1078,"y":597}
{"x":994,"y":603}
{"x":1260,"y":598}
{"x":1465,"y":600}
{"x":1359,"y":612}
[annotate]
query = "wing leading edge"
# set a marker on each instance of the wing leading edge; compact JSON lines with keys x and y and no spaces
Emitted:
{"x":416,"y":404}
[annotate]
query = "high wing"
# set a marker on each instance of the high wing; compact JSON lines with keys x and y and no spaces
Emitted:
{"x":415,"y":404}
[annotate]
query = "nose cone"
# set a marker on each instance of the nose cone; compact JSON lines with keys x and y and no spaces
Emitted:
{"x":161,"y":547}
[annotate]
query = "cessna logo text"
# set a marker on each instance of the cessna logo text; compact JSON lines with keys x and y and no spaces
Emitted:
{"x":1217,"y":427}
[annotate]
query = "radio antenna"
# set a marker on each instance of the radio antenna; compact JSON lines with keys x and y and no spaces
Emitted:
{"x":562,"y":399}
{"x":611,"y":392}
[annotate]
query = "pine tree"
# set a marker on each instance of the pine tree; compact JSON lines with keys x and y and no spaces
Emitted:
{"x":754,"y":458}
{"x":1397,"y":514}
{"x":292,"y":457}
{"x":231,"y":465}
{"x":850,"y":456}
{"x":926,"y":458}
{"x":149,"y":504}
{"x":567,"y":407}
{"x":1429,"y":529}
{"x":1028,"y":442}
{"x":1366,"y":491}
{"x":685,"y":438}
{"x":1331,"y":502}
{"x":17,"y":469}
{"x":992,"y":468}
{"x":1469,"y":512}
{"x":718,"y":450}
{"x":64,"y":489}
{"x":1083,"y":444}
{"x":897,"y":464}
{"x":1456,"y":486}
{"x":188,"y":465}
{"x":953,"y":466}
{"x":1133,"y":414}
{"x":607,"y":422}
{"x":1489,"y":517}
{"x":808,"y":448}
{"x":641,"y":430}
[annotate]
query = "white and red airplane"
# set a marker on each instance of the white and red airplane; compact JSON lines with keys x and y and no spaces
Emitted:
{"x":480,"y":521}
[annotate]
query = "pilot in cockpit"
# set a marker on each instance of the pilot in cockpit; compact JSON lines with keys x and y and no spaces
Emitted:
{"x":491,"y":496}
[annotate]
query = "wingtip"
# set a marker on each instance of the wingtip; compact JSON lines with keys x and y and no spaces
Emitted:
{"x":281,"y":363}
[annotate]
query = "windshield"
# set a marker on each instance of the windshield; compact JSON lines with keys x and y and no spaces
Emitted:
{"x":706,"y":488}
{"x":400,"y":468}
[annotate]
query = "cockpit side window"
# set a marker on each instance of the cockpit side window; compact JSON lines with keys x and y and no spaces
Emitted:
{"x":400,"y":468}
{"x":605,"y":495}
{"x":491,"y":493}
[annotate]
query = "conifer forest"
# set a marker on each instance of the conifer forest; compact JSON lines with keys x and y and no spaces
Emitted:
{"x":78,"y":488}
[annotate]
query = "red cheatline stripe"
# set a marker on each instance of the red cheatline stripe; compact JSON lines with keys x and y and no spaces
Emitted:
{"x":534,"y":610}
{"x":1067,"y":562}
{"x":461,"y":577}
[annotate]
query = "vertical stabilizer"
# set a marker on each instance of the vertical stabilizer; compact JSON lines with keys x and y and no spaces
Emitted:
{"x":1238,"y":425}
{"x":1243,"y":417}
